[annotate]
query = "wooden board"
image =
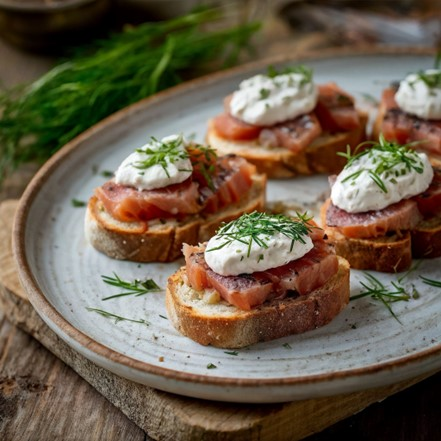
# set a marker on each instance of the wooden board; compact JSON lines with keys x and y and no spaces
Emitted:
{"x":166,"y":416}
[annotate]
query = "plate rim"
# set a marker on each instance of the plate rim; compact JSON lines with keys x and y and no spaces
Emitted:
{"x":49,"y":312}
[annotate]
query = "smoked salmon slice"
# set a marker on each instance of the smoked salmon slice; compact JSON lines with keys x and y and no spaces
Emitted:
{"x":223,"y":182}
{"x":401,"y":216}
{"x":247,"y":291}
{"x":404,"y":128}
{"x":334,"y":112}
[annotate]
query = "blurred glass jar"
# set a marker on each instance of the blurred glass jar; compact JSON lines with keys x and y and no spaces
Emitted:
{"x":46,"y":25}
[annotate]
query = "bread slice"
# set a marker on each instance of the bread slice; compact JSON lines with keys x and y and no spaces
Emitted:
{"x":426,"y":238}
{"x":225,"y":326}
{"x":161,"y":240}
{"x":391,"y":253}
{"x":279,"y":162}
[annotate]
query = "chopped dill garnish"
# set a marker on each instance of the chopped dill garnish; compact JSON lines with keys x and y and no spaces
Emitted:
{"x":107,"y":174}
{"x":389,"y":161}
{"x":431,"y":79}
{"x":301,"y":69}
{"x":258,"y":227}
{"x":163,"y":153}
{"x":231,"y":353}
{"x":136,"y":288}
{"x":77,"y":203}
{"x":116,"y":317}
{"x":211,"y":366}
{"x":386,"y":295}
{"x":410,"y":271}
{"x":431,"y":282}
{"x":163,"y":317}
{"x":264,"y":93}
{"x":203,"y":159}
{"x":287,"y":346}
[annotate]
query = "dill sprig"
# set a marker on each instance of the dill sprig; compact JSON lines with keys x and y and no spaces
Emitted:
{"x":116,"y":317}
{"x":431,"y":79}
{"x":431,"y":282}
{"x":301,"y":69}
{"x":163,"y":153}
{"x":386,"y":295}
{"x":136,"y":288}
{"x":39,"y":118}
{"x":258,"y":227}
{"x":389,"y":158}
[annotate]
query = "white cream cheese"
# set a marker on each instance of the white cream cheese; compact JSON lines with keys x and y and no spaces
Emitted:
{"x":157,"y":164}
{"x":264,"y":101}
{"x":357,"y":191}
{"x":421,"y":97}
{"x":233,"y":257}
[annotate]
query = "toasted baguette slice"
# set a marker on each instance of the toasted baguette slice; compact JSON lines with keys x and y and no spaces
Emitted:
{"x":161,"y":241}
{"x":279,"y":162}
{"x":391,"y":253}
{"x":387,"y":254}
{"x":225,"y":326}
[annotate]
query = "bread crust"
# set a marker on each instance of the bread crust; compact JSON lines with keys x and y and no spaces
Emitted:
{"x":226,"y":326}
{"x":426,"y":238}
{"x":157,"y":241}
{"x":279,"y":162}
{"x":391,"y":253}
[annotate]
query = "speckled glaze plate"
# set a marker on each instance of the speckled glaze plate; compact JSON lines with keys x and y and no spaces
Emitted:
{"x":363,"y":347}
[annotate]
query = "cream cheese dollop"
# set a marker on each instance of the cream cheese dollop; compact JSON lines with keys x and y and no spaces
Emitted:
{"x":228,"y":256}
{"x":420,"y":94}
{"x":157,"y":164}
{"x":265,"y":100}
{"x":401,"y":173}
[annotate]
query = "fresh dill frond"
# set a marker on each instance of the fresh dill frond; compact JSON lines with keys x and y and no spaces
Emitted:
{"x":77,"y":203}
{"x":431,"y":79}
{"x":161,"y":153}
{"x":203,"y":159}
{"x":39,"y":118}
{"x":386,"y":295}
{"x":116,"y":317}
{"x":431,"y":282}
{"x":136,"y":288}
{"x":258,"y":227}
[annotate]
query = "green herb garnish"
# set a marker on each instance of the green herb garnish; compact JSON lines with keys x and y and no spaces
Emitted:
{"x":77,"y":203}
{"x":107,"y":174}
{"x":116,"y":317}
{"x":264,"y":93}
{"x":307,"y":72}
{"x":386,"y":295}
{"x":235,"y":353}
{"x":287,"y":346}
{"x":165,"y":153}
{"x":211,"y":366}
{"x":203,"y":160}
{"x":431,"y":282}
{"x":259,"y":227}
{"x":390,"y":160}
{"x":136,"y":288}
{"x":431,"y":79}
{"x":108,"y":75}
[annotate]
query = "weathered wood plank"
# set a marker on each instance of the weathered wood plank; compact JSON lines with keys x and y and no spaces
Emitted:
{"x":42,"y":398}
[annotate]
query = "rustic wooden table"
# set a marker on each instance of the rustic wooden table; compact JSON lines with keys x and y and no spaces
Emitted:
{"x":42,"y":398}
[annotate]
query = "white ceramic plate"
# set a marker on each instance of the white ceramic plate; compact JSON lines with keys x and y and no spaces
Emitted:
{"x":363,"y":347}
